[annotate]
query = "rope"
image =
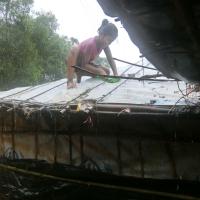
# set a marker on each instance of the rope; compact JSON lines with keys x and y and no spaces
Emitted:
{"x":183,"y":97}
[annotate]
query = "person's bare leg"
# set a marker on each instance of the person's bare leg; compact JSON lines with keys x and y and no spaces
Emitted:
{"x":80,"y":73}
{"x":106,"y":69}
{"x":96,"y":70}
{"x":92,"y":69}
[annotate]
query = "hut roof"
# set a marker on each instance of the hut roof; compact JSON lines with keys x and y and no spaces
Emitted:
{"x":99,"y":91}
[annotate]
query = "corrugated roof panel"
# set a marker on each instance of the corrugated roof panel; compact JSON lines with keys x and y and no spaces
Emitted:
{"x":33,"y":91}
{"x":135,"y":92}
{"x":106,"y":88}
{"x":63,"y":95}
{"x":5,"y":94}
{"x":123,"y":92}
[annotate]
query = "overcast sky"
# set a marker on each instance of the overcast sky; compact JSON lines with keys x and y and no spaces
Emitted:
{"x":82,"y":18}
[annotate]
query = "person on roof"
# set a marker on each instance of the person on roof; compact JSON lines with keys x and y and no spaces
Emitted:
{"x":85,"y":53}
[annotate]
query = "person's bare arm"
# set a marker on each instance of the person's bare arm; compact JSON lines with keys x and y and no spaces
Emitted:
{"x":71,"y":61}
{"x":110,"y":60}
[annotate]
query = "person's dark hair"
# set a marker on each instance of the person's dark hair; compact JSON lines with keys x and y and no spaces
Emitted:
{"x":108,"y":28}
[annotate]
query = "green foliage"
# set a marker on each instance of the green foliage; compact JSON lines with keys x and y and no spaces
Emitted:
{"x":31,"y":51}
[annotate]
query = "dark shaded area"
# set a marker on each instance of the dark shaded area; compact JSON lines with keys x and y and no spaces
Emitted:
{"x":16,"y":185}
{"x":166,"y":32}
{"x":34,"y":179}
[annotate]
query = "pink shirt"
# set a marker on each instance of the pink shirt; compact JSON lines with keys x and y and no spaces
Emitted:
{"x":89,"y":50}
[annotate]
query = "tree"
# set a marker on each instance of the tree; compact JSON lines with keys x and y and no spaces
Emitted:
{"x":51,"y":47}
{"x":16,"y":50}
{"x":31,"y":51}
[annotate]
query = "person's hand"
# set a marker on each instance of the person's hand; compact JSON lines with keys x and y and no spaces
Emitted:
{"x":71,"y":84}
